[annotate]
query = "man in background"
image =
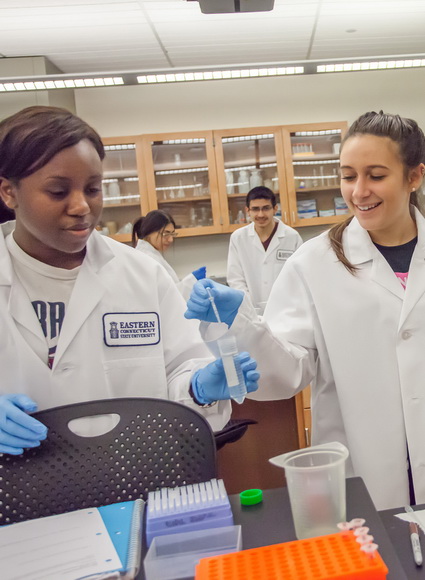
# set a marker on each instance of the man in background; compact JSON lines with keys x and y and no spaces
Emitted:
{"x":258,"y":251}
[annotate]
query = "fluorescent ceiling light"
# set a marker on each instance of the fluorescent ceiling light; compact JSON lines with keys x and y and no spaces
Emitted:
{"x":96,"y":80}
{"x":150,"y":79}
{"x":370,"y":65}
{"x":59,"y":83}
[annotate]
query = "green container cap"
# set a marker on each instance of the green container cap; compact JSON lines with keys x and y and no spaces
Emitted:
{"x":251,"y":496}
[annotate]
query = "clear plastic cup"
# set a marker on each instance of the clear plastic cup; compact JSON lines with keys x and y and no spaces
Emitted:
{"x":316,"y":486}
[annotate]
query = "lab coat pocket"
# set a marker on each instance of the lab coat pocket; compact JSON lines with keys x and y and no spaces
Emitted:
{"x":136,"y":377}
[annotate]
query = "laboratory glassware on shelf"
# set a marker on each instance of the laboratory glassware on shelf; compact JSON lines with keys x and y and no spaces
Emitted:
{"x":248,"y":158}
{"x":124,"y":194}
{"x":312,"y":163}
{"x":182,"y":180}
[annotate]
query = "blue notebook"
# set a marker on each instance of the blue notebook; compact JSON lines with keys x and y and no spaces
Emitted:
{"x":98,"y":543}
{"x":124,"y":524}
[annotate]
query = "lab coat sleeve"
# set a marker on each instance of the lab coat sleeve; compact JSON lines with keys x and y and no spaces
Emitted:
{"x":185,"y":352}
{"x":235,"y":273}
{"x":185,"y":286}
{"x":283,"y":341}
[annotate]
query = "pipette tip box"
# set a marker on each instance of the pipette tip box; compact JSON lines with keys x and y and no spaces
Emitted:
{"x":187,"y":508}
{"x":331,"y":557}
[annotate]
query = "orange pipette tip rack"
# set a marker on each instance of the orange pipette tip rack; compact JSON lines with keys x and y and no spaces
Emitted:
{"x":332,"y":557}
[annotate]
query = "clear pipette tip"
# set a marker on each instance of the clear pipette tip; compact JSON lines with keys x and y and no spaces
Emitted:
{"x":213,"y":306}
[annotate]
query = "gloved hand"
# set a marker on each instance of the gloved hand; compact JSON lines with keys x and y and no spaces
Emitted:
{"x":17,"y":429}
{"x":227,"y":301}
{"x":200,"y":272}
{"x":209,"y":384}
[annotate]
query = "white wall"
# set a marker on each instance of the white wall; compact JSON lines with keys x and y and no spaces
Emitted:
{"x":254,"y":102}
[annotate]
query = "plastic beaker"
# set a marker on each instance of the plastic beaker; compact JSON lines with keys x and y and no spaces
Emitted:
{"x":316,"y":486}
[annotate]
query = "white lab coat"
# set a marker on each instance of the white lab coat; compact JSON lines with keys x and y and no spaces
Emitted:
{"x":114,"y":283}
{"x":185,"y":285}
{"x":360,"y":340}
{"x":253,"y":270}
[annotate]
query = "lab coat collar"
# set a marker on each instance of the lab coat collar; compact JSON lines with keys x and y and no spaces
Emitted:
{"x":360,"y":249}
{"x":416,"y":281}
{"x":19,"y":304}
{"x":5,"y":262}
{"x":87,"y":292}
{"x":280,"y":232}
{"x":358,"y":246}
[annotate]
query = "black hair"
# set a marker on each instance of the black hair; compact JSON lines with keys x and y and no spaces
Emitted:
{"x":30,"y":138}
{"x":154,"y":221}
{"x":411,"y":143}
{"x":260,"y":192}
{"x":6,"y":214}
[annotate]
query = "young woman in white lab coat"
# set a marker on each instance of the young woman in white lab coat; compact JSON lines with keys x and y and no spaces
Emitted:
{"x":153,"y":235}
{"x":347,"y":314}
{"x":82,"y":317}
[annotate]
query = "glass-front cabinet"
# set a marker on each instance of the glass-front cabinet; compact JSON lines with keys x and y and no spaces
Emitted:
{"x":181,"y":179}
{"x":312,"y":170}
{"x":123,"y":187}
{"x":247,"y":158}
{"x":202,"y":178}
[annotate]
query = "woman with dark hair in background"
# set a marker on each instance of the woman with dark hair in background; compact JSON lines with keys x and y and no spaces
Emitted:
{"x":153,"y":235}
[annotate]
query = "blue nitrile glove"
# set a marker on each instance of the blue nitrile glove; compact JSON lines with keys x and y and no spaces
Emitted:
{"x":209,"y":384}
{"x":200,"y":272}
{"x":17,"y":429}
{"x":227,"y":301}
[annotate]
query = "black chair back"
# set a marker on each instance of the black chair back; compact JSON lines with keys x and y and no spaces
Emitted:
{"x":156,"y":443}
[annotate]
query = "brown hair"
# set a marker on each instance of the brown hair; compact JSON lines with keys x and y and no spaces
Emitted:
{"x":32,"y":137}
{"x":411,"y":141}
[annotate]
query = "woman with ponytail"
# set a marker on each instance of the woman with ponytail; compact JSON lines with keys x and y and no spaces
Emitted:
{"x":347,"y":314}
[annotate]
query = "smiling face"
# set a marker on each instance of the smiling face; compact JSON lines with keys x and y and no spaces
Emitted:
{"x":58,"y":206}
{"x":376,"y":187}
{"x":261,"y":212}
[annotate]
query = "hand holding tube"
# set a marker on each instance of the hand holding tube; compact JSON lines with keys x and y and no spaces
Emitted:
{"x":17,"y":429}
{"x":209,"y":384}
{"x":227,"y":301}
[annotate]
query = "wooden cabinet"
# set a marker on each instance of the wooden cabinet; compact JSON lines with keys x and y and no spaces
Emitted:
{"x":312,"y":173}
{"x":247,"y":158}
{"x":202,"y":177}
{"x":181,"y":179}
{"x":124,"y":188}
{"x":245,"y":464}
